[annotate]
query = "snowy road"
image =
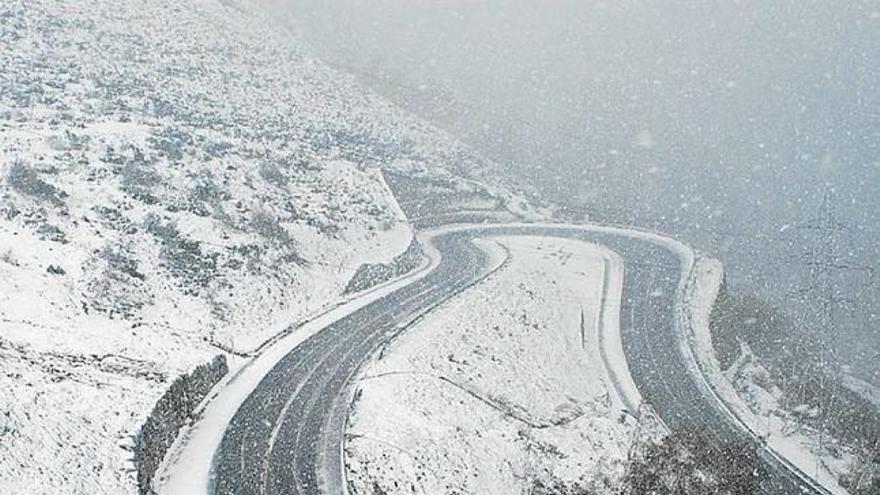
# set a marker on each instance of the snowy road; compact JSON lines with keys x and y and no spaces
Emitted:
{"x":286,"y":437}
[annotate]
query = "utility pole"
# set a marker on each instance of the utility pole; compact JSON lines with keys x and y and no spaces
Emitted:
{"x":824,"y":261}
{"x":822,"y":256}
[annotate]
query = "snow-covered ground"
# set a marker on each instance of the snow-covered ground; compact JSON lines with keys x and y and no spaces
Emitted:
{"x":501,"y":389}
{"x":177,"y":180}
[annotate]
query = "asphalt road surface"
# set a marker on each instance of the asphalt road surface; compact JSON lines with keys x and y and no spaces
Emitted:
{"x":287,"y":436}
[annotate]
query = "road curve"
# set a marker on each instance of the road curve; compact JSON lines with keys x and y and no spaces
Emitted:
{"x":286,"y":438}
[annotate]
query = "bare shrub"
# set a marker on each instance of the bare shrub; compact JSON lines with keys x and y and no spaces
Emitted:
{"x":695,"y":462}
{"x":23,"y":179}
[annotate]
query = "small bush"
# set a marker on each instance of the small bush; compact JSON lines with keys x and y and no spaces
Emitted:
{"x":183,"y":257}
{"x":24,"y":180}
{"x":273,"y":175}
{"x":372,"y":274}
{"x":139,"y":178}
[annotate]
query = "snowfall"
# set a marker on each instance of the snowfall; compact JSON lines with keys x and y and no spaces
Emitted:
{"x":178,"y":179}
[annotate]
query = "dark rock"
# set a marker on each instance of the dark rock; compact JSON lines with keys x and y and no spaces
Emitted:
{"x":55,"y":270}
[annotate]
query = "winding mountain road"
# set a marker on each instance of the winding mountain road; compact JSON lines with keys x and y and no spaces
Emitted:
{"x":287,"y":436}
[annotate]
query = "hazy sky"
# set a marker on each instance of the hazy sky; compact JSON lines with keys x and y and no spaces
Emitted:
{"x":722,"y":122}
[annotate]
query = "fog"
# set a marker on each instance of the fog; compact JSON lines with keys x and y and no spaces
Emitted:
{"x":723,"y":123}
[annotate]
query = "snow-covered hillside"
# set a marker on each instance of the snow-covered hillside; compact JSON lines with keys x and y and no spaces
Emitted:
{"x":176,"y":180}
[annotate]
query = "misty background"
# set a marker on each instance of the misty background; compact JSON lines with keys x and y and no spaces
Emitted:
{"x":722,"y":123}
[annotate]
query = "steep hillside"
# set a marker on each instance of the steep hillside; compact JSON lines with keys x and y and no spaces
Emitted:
{"x":176,"y":180}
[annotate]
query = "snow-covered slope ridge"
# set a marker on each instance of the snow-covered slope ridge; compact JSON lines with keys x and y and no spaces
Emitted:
{"x":176,"y":180}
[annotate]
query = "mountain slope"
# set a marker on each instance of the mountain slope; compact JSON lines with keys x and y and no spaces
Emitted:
{"x":177,"y":180}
